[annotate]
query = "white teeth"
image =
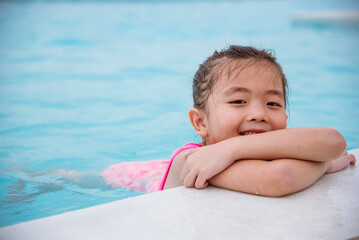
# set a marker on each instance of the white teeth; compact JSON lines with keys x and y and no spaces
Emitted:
{"x":248,"y":133}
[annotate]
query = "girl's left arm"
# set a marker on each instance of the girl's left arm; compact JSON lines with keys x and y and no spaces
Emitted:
{"x":310,"y":144}
{"x":313,"y":144}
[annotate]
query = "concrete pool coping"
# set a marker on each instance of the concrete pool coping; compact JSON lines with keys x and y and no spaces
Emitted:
{"x":326,"y":210}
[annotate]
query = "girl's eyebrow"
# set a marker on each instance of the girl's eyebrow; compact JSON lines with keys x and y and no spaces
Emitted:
{"x":276,"y":93}
{"x":233,"y":90}
{"x":245,"y":90}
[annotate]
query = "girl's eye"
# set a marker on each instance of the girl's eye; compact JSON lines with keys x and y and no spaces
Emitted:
{"x":238,"y":102}
{"x":274,"y":104}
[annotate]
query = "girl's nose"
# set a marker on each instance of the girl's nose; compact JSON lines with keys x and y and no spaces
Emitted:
{"x":257,"y":113}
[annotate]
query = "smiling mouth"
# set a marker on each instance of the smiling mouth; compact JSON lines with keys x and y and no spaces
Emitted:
{"x":251,"y":132}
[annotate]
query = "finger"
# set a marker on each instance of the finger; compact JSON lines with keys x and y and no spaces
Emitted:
{"x":190,"y":180}
{"x":349,"y":159}
{"x":201,"y":183}
{"x":189,"y":152}
{"x":184,"y":172}
{"x":353,"y":159}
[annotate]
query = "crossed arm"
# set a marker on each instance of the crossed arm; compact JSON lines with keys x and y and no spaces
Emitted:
{"x":276,"y":163}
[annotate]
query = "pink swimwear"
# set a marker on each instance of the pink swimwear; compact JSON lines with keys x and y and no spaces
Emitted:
{"x":146,"y":177}
{"x":184,"y":147}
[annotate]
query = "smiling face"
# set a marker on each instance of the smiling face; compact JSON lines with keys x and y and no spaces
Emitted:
{"x":247,"y":98}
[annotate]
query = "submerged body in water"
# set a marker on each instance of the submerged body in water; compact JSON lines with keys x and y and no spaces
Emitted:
{"x":142,"y":177}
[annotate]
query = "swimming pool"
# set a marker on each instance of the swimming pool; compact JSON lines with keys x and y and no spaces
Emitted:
{"x":86,"y":85}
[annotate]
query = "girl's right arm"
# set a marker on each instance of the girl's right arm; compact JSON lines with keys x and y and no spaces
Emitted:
{"x":310,"y":144}
{"x":267,"y":178}
{"x":278,"y":177}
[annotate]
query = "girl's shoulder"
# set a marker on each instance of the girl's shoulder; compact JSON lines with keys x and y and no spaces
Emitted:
{"x":172,"y":176}
{"x":188,"y":146}
{"x":178,"y":159}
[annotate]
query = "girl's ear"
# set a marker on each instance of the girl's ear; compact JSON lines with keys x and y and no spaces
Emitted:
{"x":196,"y":119}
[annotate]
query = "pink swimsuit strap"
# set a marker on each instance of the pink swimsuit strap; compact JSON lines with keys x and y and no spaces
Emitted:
{"x":181,"y":149}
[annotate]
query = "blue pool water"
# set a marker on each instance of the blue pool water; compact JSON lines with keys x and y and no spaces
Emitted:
{"x":84,"y":85}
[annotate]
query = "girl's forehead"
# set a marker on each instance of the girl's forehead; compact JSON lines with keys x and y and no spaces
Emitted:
{"x":248,"y":71}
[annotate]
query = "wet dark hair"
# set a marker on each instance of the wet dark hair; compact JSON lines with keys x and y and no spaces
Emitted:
{"x":212,"y":68}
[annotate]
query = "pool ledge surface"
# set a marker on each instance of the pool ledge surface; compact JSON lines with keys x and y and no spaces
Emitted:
{"x":327,"y":210}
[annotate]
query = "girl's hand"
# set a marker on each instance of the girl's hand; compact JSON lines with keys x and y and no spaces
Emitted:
{"x":203,"y":163}
{"x":340,"y":163}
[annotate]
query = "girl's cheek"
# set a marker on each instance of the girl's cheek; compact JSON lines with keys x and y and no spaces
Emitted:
{"x":283,"y":123}
{"x":280,"y":122}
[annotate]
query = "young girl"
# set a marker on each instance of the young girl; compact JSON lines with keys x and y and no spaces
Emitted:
{"x":240,"y":97}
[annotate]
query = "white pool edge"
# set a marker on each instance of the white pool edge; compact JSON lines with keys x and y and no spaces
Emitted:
{"x":327,"y":210}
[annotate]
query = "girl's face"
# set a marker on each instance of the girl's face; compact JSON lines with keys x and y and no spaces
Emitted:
{"x":250,"y":100}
